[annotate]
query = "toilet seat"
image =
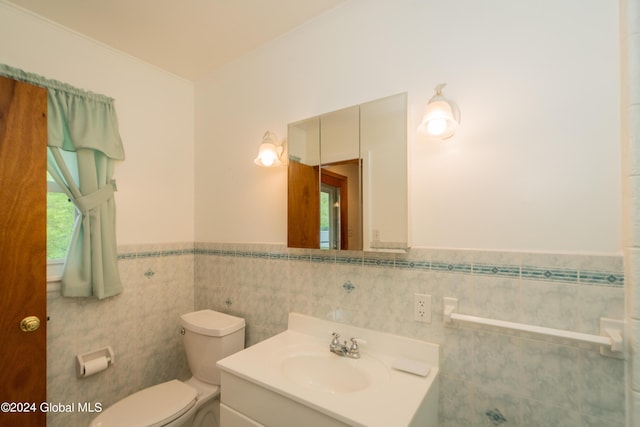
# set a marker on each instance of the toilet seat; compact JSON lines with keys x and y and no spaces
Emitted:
{"x":152,"y":407}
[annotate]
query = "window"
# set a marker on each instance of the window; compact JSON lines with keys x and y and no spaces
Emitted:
{"x":333,"y":210}
{"x":61,"y":215}
{"x":329,"y":217}
{"x":60,"y":218}
{"x":61,"y":212}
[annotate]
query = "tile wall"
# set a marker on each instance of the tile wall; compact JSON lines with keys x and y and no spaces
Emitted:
{"x":489,"y":377}
{"x":141,"y":325}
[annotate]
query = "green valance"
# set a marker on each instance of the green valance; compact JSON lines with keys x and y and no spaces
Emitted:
{"x":94,"y":124}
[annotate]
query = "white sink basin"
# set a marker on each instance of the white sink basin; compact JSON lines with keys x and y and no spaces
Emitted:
{"x":293,"y":376}
{"x":328,"y":372}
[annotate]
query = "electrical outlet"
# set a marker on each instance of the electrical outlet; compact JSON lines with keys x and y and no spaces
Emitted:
{"x":422,"y":308}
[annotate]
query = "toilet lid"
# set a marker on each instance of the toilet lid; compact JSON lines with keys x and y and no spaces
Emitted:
{"x":153,"y":406}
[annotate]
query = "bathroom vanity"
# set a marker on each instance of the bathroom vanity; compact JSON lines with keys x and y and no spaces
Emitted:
{"x":293,"y":377}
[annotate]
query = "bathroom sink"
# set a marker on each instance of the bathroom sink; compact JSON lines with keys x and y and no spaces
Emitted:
{"x":330,"y":373}
{"x":294,"y":375}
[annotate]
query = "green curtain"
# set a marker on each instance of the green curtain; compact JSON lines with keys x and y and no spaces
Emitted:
{"x":86,"y":124}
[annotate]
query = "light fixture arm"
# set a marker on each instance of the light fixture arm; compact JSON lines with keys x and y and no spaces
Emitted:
{"x":438,"y":89}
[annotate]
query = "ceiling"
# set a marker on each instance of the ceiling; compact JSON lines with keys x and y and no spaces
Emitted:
{"x":185,"y":37}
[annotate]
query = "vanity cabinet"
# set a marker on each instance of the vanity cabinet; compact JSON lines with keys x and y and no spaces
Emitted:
{"x":232,"y":418}
{"x":246,"y":404}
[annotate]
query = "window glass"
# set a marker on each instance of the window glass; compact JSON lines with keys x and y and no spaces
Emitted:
{"x":329,"y":217}
{"x":61,"y":215}
{"x":324,"y":220}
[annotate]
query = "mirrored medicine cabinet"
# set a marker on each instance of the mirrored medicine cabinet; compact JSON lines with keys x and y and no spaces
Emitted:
{"x":347,"y":178}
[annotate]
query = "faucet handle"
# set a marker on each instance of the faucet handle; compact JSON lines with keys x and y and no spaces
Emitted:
{"x":355,"y":349}
{"x":335,"y":341}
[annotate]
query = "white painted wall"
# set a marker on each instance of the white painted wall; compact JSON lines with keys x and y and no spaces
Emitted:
{"x":155,"y":112}
{"x":535,"y":165}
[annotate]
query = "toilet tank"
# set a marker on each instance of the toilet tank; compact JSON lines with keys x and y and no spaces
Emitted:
{"x":209,"y":336}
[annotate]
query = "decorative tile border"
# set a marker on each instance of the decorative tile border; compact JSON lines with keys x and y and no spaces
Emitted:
{"x":322,"y":258}
{"x":348,"y":260}
{"x":299,"y":257}
{"x":602,"y":278}
{"x":524,"y":272}
{"x":496,"y":270}
{"x":413,"y":265}
{"x":550,"y":274}
{"x":378,"y":262}
{"x":155,"y":254}
{"x":452,"y":267}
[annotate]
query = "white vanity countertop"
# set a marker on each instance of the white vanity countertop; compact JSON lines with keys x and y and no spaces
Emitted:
{"x":391,"y":399}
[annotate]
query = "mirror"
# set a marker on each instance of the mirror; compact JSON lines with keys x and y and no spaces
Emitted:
{"x":347,"y":178}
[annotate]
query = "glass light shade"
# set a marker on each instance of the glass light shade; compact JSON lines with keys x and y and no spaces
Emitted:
{"x":267,"y":155}
{"x":441,"y":117}
{"x":269,"y":151}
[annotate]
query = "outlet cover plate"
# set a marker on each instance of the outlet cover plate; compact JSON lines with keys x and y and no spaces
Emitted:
{"x":422,"y":308}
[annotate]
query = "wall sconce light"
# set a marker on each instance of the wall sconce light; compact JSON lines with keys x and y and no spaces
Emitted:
{"x":441,"y":117}
{"x":270,"y":151}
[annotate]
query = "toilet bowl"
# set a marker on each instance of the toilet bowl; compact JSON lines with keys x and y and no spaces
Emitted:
{"x":207,"y":336}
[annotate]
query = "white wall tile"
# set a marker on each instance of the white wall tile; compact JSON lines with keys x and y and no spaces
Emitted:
{"x":602,"y":386}
{"x":550,"y":374}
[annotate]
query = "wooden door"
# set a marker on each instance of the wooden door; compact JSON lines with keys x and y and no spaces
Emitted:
{"x":303,"y":206}
{"x":23,"y":191}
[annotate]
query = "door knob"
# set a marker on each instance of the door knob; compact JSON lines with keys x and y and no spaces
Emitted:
{"x":30,"y":324}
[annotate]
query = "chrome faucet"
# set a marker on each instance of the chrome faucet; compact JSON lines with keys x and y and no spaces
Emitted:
{"x":343,"y":350}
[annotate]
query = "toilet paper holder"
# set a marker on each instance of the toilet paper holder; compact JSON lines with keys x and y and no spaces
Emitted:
{"x":86,"y":363}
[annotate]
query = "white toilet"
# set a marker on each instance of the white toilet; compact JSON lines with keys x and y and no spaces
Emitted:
{"x":208,"y":336}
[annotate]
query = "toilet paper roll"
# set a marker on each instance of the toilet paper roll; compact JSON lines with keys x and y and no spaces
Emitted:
{"x":94,"y":366}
